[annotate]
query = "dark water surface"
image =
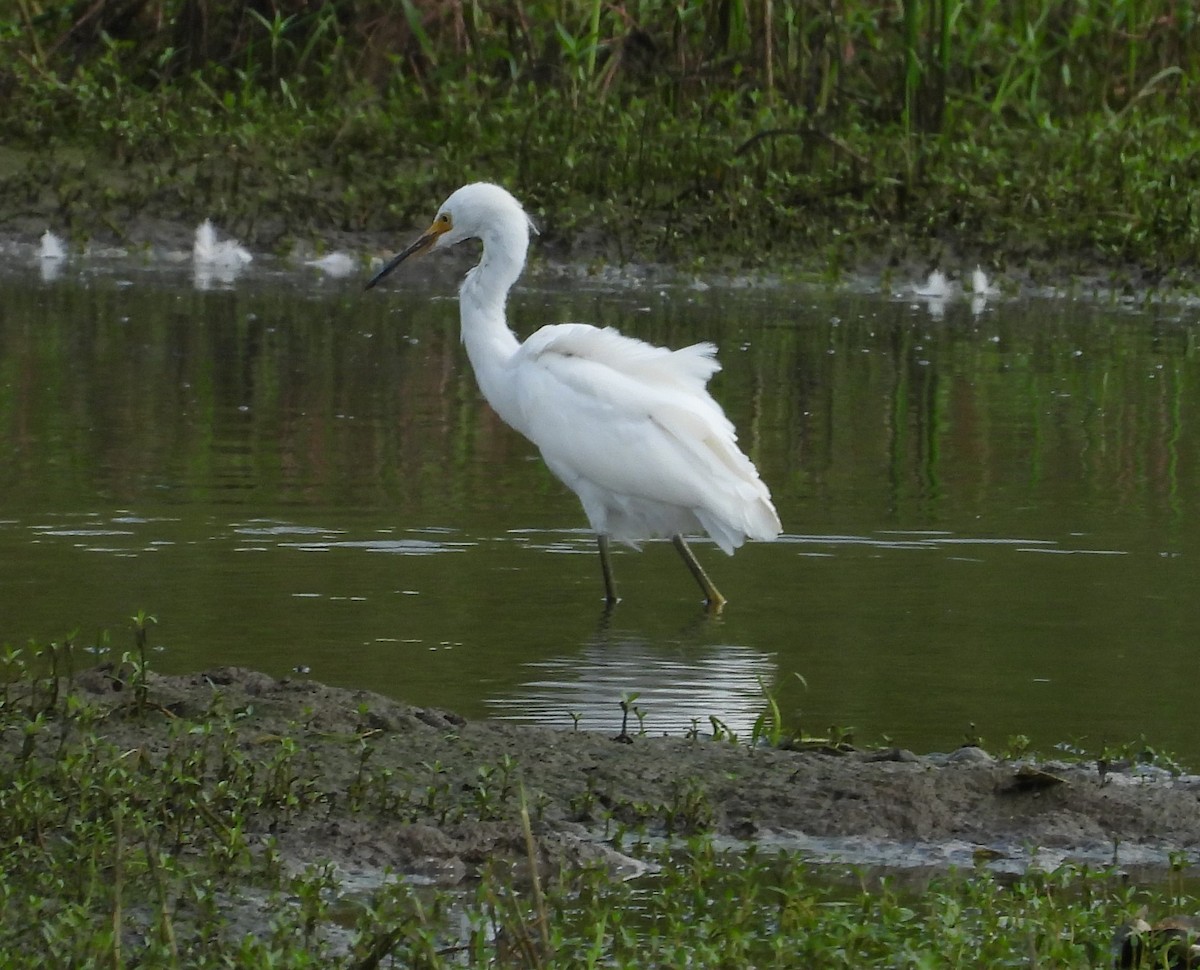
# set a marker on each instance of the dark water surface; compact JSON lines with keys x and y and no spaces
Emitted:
{"x":990,"y":517}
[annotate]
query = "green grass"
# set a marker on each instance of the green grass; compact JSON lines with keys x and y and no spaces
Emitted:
{"x":132,"y":837}
{"x":1039,"y":134}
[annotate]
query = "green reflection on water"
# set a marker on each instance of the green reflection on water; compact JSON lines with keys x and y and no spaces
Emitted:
{"x":989,"y":518}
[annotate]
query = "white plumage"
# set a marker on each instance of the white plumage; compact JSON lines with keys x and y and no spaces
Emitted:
{"x":627,"y":426}
{"x":52,"y":247}
{"x":207,"y":250}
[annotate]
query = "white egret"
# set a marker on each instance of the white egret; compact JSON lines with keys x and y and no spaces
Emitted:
{"x":937,"y":287}
{"x":207,"y":250}
{"x":52,"y":247}
{"x":629,"y":427}
{"x":981,"y":285}
{"x":337,"y":265}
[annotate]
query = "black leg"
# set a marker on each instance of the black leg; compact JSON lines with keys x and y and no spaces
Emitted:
{"x":610,"y":586}
{"x":712,"y":596}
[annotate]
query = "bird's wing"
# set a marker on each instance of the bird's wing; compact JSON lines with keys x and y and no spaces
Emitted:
{"x":688,"y":369}
{"x":632,"y":419}
{"x":600,"y":377}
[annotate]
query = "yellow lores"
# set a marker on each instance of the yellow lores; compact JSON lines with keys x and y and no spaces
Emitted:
{"x":629,"y":427}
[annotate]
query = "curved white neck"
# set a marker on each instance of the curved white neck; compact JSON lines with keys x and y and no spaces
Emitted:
{"x":482,"y":298}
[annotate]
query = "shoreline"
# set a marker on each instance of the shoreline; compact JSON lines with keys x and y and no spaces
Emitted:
{"x":864,"y":806}
{"x":169,"y":243}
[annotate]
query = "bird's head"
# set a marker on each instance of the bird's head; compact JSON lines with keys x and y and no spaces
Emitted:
{"x":476,"y":211}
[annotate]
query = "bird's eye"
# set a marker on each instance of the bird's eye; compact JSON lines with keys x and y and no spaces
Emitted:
{"x":443,"y":219}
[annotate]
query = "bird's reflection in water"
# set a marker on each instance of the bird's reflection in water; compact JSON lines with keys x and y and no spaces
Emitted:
{"x":679,"y":685}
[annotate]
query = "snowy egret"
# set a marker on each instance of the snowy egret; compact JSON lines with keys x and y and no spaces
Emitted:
{"x":937,"y":287}
{"x":629,"y":427}
{"x":981,"y":285}
{"x":216,"y":260}
{"x":336,"y":265}
{"x":52,"y":254}
{"x":52,"y":247}
{"x":207,"y":250}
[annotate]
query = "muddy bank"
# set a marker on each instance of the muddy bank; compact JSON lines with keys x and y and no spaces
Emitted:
{"x":620,"y":252}
{"x":421,"y":791}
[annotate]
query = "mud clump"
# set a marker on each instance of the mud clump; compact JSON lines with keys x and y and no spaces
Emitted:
{"x":394,"y":787}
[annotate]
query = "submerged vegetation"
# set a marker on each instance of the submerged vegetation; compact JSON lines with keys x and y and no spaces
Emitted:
{"x":781,"y":134}
{"x":142,"y":830}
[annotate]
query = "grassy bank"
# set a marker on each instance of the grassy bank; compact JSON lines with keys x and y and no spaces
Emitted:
{"x":1038,"y":136}
{"x":146,"y":821}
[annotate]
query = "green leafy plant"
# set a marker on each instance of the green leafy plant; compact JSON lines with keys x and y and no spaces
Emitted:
{"x":698,"y":130}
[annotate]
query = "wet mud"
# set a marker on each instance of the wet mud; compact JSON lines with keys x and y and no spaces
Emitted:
{"x":404,"y":789}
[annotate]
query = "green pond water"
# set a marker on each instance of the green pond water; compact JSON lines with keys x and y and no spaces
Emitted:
{"x":991,"y":513}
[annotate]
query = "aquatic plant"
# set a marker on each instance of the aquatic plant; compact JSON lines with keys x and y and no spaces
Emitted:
{"x":784,"y":132}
